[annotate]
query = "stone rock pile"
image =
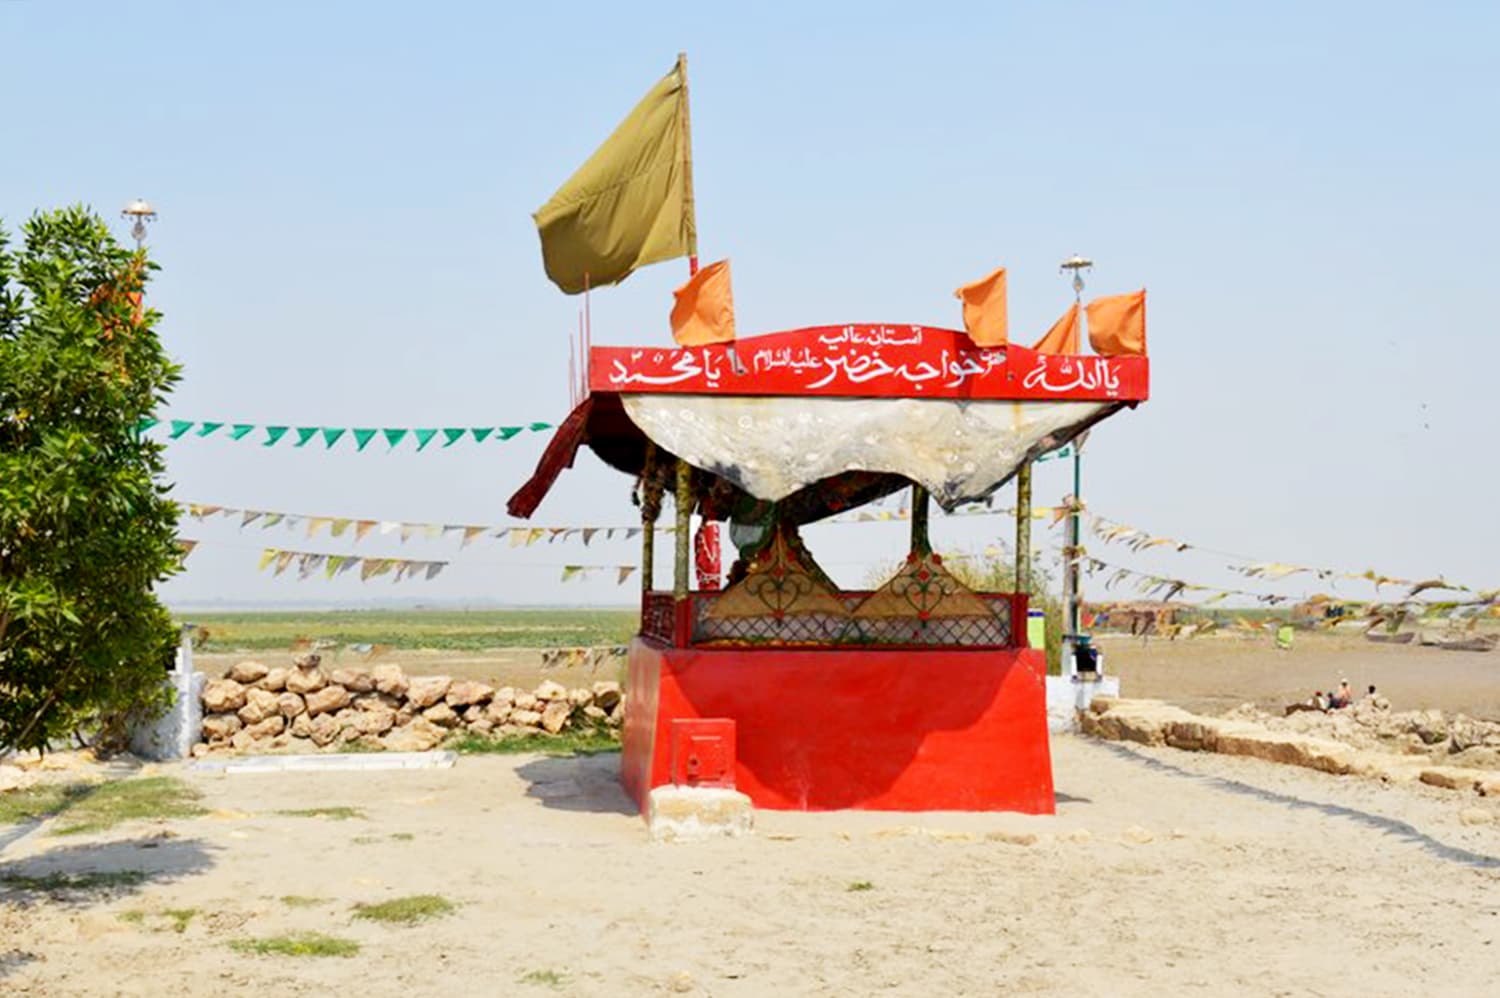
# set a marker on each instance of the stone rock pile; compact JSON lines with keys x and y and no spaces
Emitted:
{"x":1450,"y":739}
{"x":256,"y":708}
{"x":1152,"y":722}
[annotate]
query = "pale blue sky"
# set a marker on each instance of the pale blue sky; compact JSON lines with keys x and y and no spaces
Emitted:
{"x":1308,"y":191}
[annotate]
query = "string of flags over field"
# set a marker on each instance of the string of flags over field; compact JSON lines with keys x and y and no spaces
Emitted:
{"x":1165,"y":587}
{"x":328,"y":436}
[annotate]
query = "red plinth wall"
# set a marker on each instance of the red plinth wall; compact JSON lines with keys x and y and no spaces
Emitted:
{"x":827,"y":729}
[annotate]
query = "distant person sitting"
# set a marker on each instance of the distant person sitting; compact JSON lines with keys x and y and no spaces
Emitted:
{"x":1342,"y":697}
{"x":1314,"y":702}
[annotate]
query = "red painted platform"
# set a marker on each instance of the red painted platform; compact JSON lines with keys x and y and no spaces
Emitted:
{"x":828,"y":729}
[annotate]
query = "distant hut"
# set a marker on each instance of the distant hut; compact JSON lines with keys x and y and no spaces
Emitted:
{"x":1139,"y":618}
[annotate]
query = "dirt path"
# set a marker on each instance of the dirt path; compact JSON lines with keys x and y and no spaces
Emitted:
{"x":1163,"y":872}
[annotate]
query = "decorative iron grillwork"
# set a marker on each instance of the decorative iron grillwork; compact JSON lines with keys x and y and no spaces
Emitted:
{"x":987,"y":630}
{"x":657,"y":617}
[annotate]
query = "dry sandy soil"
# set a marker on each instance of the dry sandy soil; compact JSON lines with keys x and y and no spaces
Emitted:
{"x":1163,"y":872}
{"x":1215,"y":673}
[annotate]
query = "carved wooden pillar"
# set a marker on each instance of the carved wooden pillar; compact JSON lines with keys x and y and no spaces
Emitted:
{"x":1023,"y":528}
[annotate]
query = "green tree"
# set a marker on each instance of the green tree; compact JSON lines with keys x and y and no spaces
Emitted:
{"x":86,"y":528}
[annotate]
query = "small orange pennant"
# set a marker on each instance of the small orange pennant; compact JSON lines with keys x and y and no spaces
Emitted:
{"x":1063,"y":336}
{"x":704,"y":308}
{"x":1117,"y":324}
{"x":985,"y":318}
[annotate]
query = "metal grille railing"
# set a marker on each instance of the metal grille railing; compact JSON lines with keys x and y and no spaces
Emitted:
{"x":658,"y":616}
{"x":992,"y":630}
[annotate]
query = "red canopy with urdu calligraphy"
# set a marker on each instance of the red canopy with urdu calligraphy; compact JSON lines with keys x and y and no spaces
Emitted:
{"x":776,"y":415}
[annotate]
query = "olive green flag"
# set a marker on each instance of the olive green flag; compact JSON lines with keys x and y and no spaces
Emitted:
{"x":631,"y":203}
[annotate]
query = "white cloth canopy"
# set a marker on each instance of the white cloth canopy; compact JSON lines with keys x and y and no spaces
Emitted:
{"x":771,"y":446}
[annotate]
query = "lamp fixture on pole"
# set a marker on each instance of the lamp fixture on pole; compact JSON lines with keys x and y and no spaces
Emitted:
{"x":1077,"y":264}
{"x":140,"y":209}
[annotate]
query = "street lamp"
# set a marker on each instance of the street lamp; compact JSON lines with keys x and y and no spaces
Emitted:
{"x":1072,"y":595}
{"x":1077,"y":264}
{"x":140,"y":209}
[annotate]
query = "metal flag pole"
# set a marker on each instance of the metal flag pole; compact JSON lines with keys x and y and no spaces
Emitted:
{"x":1072,"y":595}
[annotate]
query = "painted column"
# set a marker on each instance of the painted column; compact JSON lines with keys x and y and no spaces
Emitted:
{"x":682,"y":577}
{"x":650,"y":510}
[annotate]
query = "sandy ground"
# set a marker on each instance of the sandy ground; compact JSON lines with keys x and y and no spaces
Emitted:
{"x":1215,"y":673}
{"x":1163,"y":872}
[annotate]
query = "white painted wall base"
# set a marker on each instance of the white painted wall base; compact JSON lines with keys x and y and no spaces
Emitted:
{"x":690,"y":814}
{"x":1066,"y":696}
{"x":180,"y":727}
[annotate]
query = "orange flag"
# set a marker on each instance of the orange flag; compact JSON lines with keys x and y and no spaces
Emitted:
{"x":984,"y":310}
{"x":704,"y":308}
{"x":1117,"y":324}
{"x":1063,"y":336}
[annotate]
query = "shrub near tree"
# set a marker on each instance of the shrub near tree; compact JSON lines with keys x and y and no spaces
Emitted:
{"x":86,"y":528}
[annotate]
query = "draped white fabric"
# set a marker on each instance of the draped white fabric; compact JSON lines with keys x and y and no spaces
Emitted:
{"x":772,"y":446}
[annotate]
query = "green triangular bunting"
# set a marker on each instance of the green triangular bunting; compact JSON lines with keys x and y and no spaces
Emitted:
{"x":480,"y":432}
{"x":204,"y":429}
{"x":180,"y":426}
{"x":362,"y":437}
{"x":305,"y":433}
{"x":331,"y":435}
{"x":539,"y":426}
{"x":240,"y":429}
{"x":453,"y":434}
{"x":506,"y":432}
{"x":424,"y":437}
{"x":145,"y":423}
{"x":273,"y":434}
{"x":393,"y":437}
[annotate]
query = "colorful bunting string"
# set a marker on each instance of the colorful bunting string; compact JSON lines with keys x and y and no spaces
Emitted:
{"x":178,"y":428}
{"x":332,"y":566}
{"x":467,"y":533}
{"x":622,"y":572}
{"x":1115,"y":532}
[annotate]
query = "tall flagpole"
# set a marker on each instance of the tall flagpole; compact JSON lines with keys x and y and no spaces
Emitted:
{"x":708,"y":531}
{"x":689,"y":205}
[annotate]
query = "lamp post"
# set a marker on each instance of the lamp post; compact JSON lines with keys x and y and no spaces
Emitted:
{"x":140,"y":209}
{"x":1072,"y":596}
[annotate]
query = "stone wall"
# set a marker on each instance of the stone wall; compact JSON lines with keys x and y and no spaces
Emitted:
{"x":305,"y":708}
{"x":1319,"y":745}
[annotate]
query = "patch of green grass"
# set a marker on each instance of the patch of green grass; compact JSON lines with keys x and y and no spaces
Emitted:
{"x":402,"y":836}
{"x":37,"y":802}
{"x":302,"y":901}
{"x":550,"y":978}
{"x":462,"y":630}
{"x":53,"y":883}
{"x":567,"y":743}
{"x":331,"y":813}
{"x":365,"y":840}
{"x":406,"y":911}
{"x":176,"y":919}
{"x":108,"y":804}
{"x":180,"y":918}
{"x":297,"y":944}
{"x":860,"y":885}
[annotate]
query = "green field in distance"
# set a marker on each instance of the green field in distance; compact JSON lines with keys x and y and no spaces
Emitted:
{"x":461,"y":630}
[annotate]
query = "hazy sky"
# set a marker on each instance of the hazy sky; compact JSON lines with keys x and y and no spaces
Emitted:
{"x":1307,"y":190}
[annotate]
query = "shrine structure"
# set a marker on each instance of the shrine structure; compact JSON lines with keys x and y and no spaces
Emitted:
{"x":919,"y":695}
